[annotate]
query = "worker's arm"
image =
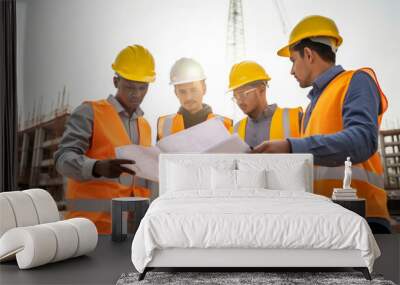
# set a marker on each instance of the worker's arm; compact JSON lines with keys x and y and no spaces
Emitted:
{"x":359,"y":138}
{"x":70,"y":158}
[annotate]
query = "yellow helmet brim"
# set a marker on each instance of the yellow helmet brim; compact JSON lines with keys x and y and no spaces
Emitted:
{"x":285,"y":51}
{"x":137,"y":77}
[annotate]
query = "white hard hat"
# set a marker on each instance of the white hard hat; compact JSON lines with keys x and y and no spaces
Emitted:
{"x":186,"y":70}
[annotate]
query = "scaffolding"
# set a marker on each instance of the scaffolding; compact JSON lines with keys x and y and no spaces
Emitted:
{"x":390,"y":152}
{"x":37,"y":143}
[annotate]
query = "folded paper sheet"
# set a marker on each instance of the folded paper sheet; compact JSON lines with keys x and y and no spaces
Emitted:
{"x":208,"y":137}
{"x":146,"y":159}
{"x":196,"y":139}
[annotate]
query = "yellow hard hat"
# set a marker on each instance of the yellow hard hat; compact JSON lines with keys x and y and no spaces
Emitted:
{"x":135,"y":63}
{"x":312,"y":26}
{"x":245,"y":72}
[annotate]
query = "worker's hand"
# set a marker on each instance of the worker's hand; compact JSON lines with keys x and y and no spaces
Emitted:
{"x":112,"y":168}
{"x":281,"y":146}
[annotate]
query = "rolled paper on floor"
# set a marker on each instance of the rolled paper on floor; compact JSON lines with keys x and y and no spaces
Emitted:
{"x":23,"y":208}
{"x":7,"y":217}
{"x":33,"y":246}
{"x":67,"y":239}
{"x":87,"y":235}
{"x":45,"y":205}
{"x":31,"y":232}
{"x":41,"y":244}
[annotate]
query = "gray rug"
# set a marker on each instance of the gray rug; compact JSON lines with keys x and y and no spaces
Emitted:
{"x":229,"y":278}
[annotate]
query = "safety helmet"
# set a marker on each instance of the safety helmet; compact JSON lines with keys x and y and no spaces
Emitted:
{"x":186,"y":70}
{"x":135,"y":63}
{"x":245,"y":72}
{"x":313,"y":27}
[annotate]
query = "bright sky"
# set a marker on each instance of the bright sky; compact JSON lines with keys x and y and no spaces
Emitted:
{"x":74,"y":42}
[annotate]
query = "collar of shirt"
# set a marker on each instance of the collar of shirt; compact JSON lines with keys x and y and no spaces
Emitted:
{"x":120,"y":109}
{"x":267,"y":113}
{"x":205,"y":110}
{"x":322,"y":81}
{"x":190,"y":120}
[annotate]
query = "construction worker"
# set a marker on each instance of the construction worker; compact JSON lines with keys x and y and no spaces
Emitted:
{"x":86,"y":153}
{"x":249,"y":82}
{"x":188,"y":79}
{"x":342,"y":119}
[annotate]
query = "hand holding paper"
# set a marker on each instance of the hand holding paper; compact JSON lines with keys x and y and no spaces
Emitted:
{"x":208,"y":137}
{"x":146,"y":158}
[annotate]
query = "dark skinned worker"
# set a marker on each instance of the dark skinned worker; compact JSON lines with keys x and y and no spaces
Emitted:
{"x":86,"y":154}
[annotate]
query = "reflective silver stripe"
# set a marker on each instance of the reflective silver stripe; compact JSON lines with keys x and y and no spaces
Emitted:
{"x":89,"y":205}
{"x":236,"y":127}
{"x":337,"y":173}
{"x":286,"y":123}
{"x":125,"y":180}
{"x":141,"y":182}
{"x":167,"y":125}
{"x":116,"y":180}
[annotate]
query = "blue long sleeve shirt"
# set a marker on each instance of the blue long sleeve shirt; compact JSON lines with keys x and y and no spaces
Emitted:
{"x":359,"y":138}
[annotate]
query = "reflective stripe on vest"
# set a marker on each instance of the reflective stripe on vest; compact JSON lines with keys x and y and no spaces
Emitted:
{"x":89,"y":205}
{"x":286,"y":127}
{"x":165,"y":126}
{"x":284,"y":124}
{"x":367,"y":176}
{"x":336,"y":173}
{"x":171,"y":124}
{"x":108,"y":133}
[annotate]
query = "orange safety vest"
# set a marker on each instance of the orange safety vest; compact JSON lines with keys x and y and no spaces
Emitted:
{"x":285,"y":123}
{"x":92,"y":199}
{"x":171,"y":124}
{"x":367,"y":177}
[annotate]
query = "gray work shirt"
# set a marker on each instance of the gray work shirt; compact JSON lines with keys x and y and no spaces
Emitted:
{"x":70,"y":157}
{"x":258,"y":129}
